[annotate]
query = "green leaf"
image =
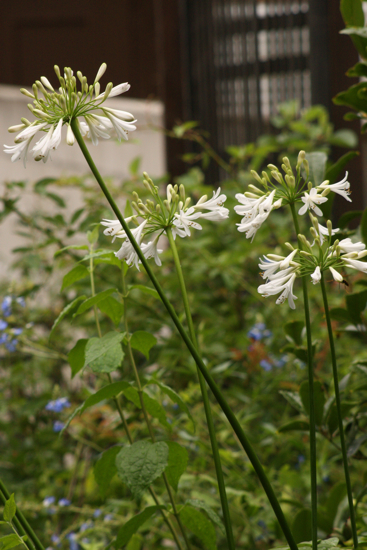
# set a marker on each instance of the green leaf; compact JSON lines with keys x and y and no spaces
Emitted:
{"x":351,"y":97}
{"x":358,"y":35}
{"x":177,"y":463}
{"x":76,"y":356}
{"x":112,"y":308}
{"x":213,"y":516}
{"x":9,"y":509}
{"x":94,"y":300}
{"x":144,"y":289}
{"x":332,"y":174}
{"x":104,"y":354}
{"x":327,"y":513}
{"x":332,"y":420}
{"x":10,"y":541}
{"x":66,"y":311}
{"x":359,"y":69}
{"x":128,"y":210}
{"x":294,"y":399}
{"x":107,"y":258}
{"x":71,"y":247}
{"x":127,"y":531}
{"x":143,"y":342}
{"x":92,"y":236}
{"x":347,"y":217}
{"x":340,"y":314}
{"x":174,"y":397}
{"x":139,"y":464}
{"x":317,"y":162}
{"x":71,"y":417}
{"x":344,"y":138}
{"x":352,"y":13}
{"x":297,"y":425}
{"x":301,"y":526}
{"x":356,"y":304}
{"x":319,"y":399}
{"x":364,"y":226}
{"x":294,"y":329}
{"x":200,"y":525}
{"x":134,"y":166}
{"x":107,"y":392}
{"x":152,"y":406}
{"x":78,"y":272}
{"x":105,"y":469}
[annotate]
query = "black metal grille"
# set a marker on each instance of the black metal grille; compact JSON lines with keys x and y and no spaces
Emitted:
{"x":246,"y":56}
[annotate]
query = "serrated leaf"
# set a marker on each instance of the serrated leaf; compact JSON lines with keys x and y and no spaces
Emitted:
{"x":213,"y":516}
{"x":66,"y":311}
{"x":107,"y":392}
{"x":9,"y":541}
{"x":301,"y":526}
{"x":112,"y":308}
{"x":94,"y":300}
{"x":139,"y":464}
{"x":105,"y":469}
{"x":76,"y":356}
{"x":145,"y":290}
{"x":154,"y":408}
{"x":177,"y":463}
{"x":143,"y":342}
{"x":104,"y":354}
{"x":295,"y":425}
{"x":319,"y":399}
{"x":174,"y":397}
{"x":78,"y":272}
{"x":9,"y":509}
{"x":130,"y":528}
{"x":200,"y":525}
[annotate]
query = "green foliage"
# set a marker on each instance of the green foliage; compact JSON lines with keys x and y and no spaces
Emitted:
{"x":177,"y":463}
{"x":127,"y":531}
{"x":105,"y":469}
{"x":199,"y":525}
{"x":143,"y":342}
{"x":104,"y":354}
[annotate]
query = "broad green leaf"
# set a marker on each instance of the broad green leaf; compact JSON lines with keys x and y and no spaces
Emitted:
{"x":105,"y":469}
{"x":104,"y":354}
{"x":213,"y":516}
{"x":177,"y":463}
{"x":135,"y":543}
{"x":143,"y":342}
{"x":355,"y":445}
{"x":127,"y":531}
{"x":351,"y":97}
{"x":174,"y":397}
{"x":356,"y":304}
{"x":200,"y":525}
{"x":66,"y":311}
{"x":293,"y":330}
{"x":344,"y":138}
{"x":113,"y":308}
{"x":359,"y":69}
{"x":352,"y":13}
{"x":76,"y":356}
{"x":92,"y":236}
{"x":139,"y":464}
{"x":9,"y":509}
{"x":295,"y":425}
{"x":71,"y":247}
{"x":340,"y":314}
{"x":145,"y":289}
{"x":109,"y":259}
{"x":78,"y":272}
{"x":107,"y":392}
{"x":319,"y":399}
{"x":301,"y":526}
{"x":294,"y":399}
{"x":134,"y":167}
{"x":327,"y":513}
{"x":332,"y":174}
{"x":317,"y":162}
{"x":154,"y":408}
{"x":364,"y":227}
{"x":10,"y":541}
{"x":94,"y":300}
{"x":358,"y":34}
{"x":332,"y":420}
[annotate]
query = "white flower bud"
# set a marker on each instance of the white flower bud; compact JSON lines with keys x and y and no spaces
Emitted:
{"x":101,"y":72}
{"x":46,"y":83}
{"x":27,"y":93}
{"x":17,"y":128}
{"x":70,"y":138}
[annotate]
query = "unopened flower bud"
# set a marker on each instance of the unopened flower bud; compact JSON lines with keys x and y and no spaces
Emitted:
{"x":306,"y":167}
{"x":265,"y":176}
{"x":315,"y":222}
{"x":309,"y":186}
{"x":256,"y":176}
{"x":187,"y":202}
{"x":313,"y":232}
{"x":107,"y":90}
{"x":158,"y":208}
{"x":180,"y":205}
{"x":25,"y":121}
{"x":17,"y":128}
{"x":289,"y":246}
{"x":97,"y":88}
{"x":255,"y":189}
{"x":291,"y":182}
{"x":277,"y":176}
{"x":182,"y":192}
{"x":325,"y":192}
{"x":251,"y":195}
{"x":35,"y":90}
{"x":329,"y":226}
{"x":287,"y":163}
{"x":27,"y":93}
{"x":166,"y":203}
{"x":57,"y":71}
{"x":70,"y":138}
{"x":301,"y":158}
{"x":175,"y":187}
{"x":101,"y":72}
{"x":272,"y":167}
{"x":47,"y":83}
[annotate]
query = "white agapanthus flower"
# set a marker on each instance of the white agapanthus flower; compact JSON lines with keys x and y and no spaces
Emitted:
{"x":336,"y":275}
{"x":346,"y":246}
{"x":311,"y":200}
{"x":254,"y":211}
{"x":217,"y":211}
{"x":59,"y":108}
{"x":273,"y":262}
{"x":127,"y":252}
{"x":316,"y":276}
{"x":184,"y":220}
{"x":341,"y":187}
{"x":281,"y":283}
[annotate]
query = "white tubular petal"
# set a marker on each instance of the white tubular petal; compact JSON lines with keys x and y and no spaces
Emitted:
{"x":316,"y":276}
{"x":70,"y":138}
{"x":101,"y":72}
{"x":337,"y":277}
{"x":46,"y":83}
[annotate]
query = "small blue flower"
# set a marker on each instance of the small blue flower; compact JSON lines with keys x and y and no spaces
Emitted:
{"x":266,"y":365}
{"x":55,"y":539}
{"x":48,"y":501}
{"x":58,"y":426}
{"x":254,"y":333}
{"x":326,"y":479}
{"x":11,"y":346}
{"x":20,"y":300}
{"x":3,"y":338}
{"x":261,"y":523}
{"x":5,"y":306}
{"x":301,"y":459}
{"x":63,"y":501}
{"x":17,"y":331}
{"x":175,"y":406}
{"x":108,"y":517}
{"x":87,"y":525}
{"x":73,"y":545}
{"x":3,"y":324}
{"x":58,"y":405}
{"x":97,"y":513}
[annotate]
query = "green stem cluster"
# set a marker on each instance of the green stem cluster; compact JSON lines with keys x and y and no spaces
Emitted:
{"x":209,"y":379}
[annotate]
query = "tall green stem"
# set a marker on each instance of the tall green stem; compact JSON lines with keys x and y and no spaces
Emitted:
{"x":20,"y":522}
{"x":313,"y":457}
{"x":209,"y":379}
{"x":204,"y":393}
{"x":340,"y":418}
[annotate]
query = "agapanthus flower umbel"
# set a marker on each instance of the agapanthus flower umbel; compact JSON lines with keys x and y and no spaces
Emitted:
{"x":280,"y":273}
{"x":174,"y":213}
{"x":279,"y":189}
{"x":58,"y":108}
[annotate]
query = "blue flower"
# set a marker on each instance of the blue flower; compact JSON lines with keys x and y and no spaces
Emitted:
{"x":63,"y":501}
{"x":259,"y":331}
{"x":55,"y":539}
{"x":17,"y":331}
{"x":3,"y":338}
{"x":73,"y":545}
{"x":58,"y":405}
{"x":108,"y":517}
{"x":20,"y":300}
{"x":3,"y":324}
{"x":97,"y":513}
{"x":11,"y":346}
{"x":266,"y":365}
{"x":48,"y":501}
{"x":58,"y":426}
{"x":5,"y":306}
{"x":87,"y":525}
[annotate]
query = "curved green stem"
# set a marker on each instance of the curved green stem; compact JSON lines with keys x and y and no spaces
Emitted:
{"x":209,"y":379}
{"x":313,"y":457}
{"x":340,"y":418}
{"x":19,"y":520}
{"x":206,"y":402}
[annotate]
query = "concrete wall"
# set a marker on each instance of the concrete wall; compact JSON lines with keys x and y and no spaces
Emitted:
{"x":111,"y":157}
